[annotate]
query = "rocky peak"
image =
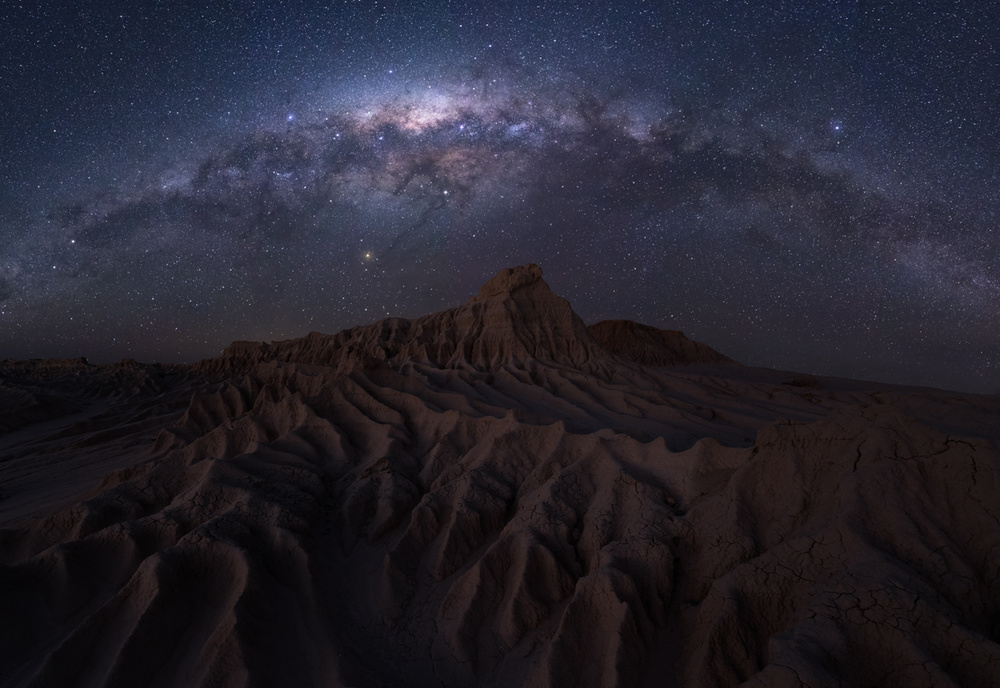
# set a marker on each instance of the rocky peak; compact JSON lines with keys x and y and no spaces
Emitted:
{"x":508,"y":281}
{"x":513,"y":317}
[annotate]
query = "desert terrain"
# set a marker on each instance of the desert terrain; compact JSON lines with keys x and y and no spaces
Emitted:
{"x":494,"y":495}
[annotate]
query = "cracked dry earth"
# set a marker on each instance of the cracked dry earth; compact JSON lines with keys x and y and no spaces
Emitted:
{"x":493,"y":495}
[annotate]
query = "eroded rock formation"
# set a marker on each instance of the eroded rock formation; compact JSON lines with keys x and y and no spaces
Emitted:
{"x":492,"y":495}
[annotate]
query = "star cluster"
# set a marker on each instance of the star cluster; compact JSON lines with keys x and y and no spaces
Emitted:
{"x":808,"y":188}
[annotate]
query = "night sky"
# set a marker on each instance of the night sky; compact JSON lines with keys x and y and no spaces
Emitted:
{"x":801,"y":185}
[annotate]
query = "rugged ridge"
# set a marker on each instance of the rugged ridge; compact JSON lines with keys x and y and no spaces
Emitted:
{"x":514,"y":317}
{"x":492,"y":495}
{"x":651,"y":346}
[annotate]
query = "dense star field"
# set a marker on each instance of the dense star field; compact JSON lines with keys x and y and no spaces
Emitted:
{"x":805,"y":186}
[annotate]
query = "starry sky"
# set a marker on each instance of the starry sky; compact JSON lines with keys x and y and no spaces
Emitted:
{"x":807,"y":186}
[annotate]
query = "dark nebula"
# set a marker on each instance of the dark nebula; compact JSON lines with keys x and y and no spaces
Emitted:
{"x":801,"y":187}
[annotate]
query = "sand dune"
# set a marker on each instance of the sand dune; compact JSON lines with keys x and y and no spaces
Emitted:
{"x":492,"y":495}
